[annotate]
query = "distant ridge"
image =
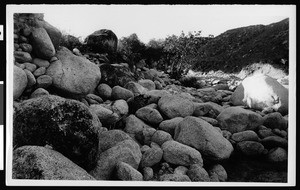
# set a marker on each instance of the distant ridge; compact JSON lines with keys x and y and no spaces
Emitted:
{"x":237,"y":48}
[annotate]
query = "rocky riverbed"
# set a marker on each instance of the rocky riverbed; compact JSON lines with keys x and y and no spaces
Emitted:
{"x":76,"y":118}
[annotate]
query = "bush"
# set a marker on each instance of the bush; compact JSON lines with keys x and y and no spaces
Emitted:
{"x":70,"y":42}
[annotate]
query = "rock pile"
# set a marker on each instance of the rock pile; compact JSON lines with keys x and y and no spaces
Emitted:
{"x":91,"y":125}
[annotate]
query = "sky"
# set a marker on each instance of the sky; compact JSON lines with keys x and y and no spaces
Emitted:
{"x":159,"y":21}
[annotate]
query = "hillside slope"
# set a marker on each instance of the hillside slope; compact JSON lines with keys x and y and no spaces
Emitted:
{"x":236,"y":48}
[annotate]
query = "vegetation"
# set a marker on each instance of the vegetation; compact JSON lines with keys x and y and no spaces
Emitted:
{"x":229,"y":52}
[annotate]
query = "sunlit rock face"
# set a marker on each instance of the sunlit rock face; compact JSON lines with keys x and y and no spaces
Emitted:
{"x":261,"y":92}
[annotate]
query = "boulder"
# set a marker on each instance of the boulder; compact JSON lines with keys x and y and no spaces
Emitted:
{"x":44,"y":81}
{"x":109,"y":139}
{"x":237,"y":119}
{"x":261,"y":92}
{"x":134,"y":125}
{"x":30,"y":67}
{"x":37,"y":162}
{"x":55,"y":121}
{"x":22,"y":57}
{"x":181,"y":170}
{"x":54,"y":33}
{"x":145,"y":136}
{"x":42,"y":44}
{"x":26,"y":47}
{"x":149,"y":115}
{"x":197,"y":173}
{"x":274,"y":141}
{"x":20,"y":82}
{"x":39,"y":71}
{"x":119,"y":92}
{"x":120,"y":107}
{"x":147,"y":173}
{"x":102,"y":41}
{"x":209,"y":95}
{"x":31,"y":81}
{"x":148,"y":84}
{"x":275,"y":121}
{"x":209,"y":109}
{"x":93,"y":99}
{"x":125,"y":172}
{"x":160,"y":137}
{"x":245,"y":136}
{"x":106,"y":116}
{"x":155,"y":95}
{"x":74,"y":75}
{"x":250,"y":148}
{"x":199,"y":134}
{"x":277,"y":154}
{"x":210,"y":120}
{"x":126,"y":151}
{"x":135,"y":88}
{"x":175,"y":106}
{"x":104,"y":91}
{"x":39,"y":92}
{"x":218,"y":170}
{"x":41,"y":62}
{"x":180,"y":154}
{"x":151,"y":156}
{"x":170,"y":125}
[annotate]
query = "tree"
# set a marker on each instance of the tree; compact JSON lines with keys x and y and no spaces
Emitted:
{"x":131,"y":49}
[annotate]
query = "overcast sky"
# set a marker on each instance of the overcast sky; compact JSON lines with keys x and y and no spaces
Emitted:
{"x":159,"y":21}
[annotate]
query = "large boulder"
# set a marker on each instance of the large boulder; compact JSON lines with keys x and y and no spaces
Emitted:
{"x":20,"y":82}
{"x":180,"y":154}
{"x":102,"y":41}
{"x":199,"y":134}
{"x":74,"y":75}
{"x":42,"y":44}
{"x":237,"y":119}
{"x":66,"y":125}
{"x":175,"y":106}
{"x":126,"y":151}
{"x":261,"y":92}
{"x":37,"y":162}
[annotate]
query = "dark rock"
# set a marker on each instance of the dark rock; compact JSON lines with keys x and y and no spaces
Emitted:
{"x":197,"y":173}
{"x":250,"y":148}
{"x":67,"y":125}
{"x":274,"y":141}
{"x":36,"y":162}
{"x":275,"y":120}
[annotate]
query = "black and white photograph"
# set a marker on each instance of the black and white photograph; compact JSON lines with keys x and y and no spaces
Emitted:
{"x":150,"y":95}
